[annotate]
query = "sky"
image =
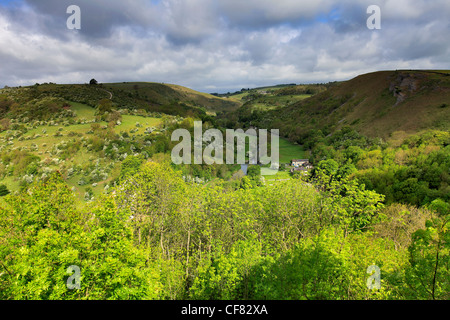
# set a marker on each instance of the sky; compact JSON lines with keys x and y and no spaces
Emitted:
{"x":218,"y":45}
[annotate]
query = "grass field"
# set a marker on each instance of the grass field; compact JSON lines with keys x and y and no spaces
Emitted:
{"x":289,"y":151}
{"x":44,"y":138}
{"x":281,"y":175}
{"x":83,"y":111}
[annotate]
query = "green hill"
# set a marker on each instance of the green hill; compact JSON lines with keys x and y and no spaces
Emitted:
{"x":148,"y":96}
{"x":86,"y":131}
{"x":375,"y":104}
{"x":169,"y":98}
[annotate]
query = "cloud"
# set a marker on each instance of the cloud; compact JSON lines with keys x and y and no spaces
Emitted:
{"x":263,"y":13}
{"x":217,"y":45}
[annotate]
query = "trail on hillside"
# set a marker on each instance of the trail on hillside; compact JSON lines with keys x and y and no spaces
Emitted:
{"x":110,"y":93}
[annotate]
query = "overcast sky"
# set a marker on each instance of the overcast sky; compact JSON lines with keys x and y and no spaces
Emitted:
{"x":218,"y":45}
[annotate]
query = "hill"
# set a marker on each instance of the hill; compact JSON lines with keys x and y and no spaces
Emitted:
{"x":164,"y":97}
{"x":148,"y":96}
{"x":375,"y":104}
{"x":262,"y":99}
{"x":87,"y":131}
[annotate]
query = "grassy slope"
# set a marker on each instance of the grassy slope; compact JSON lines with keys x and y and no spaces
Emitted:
{"x":270,"y":98}
{"x":375,"y":104}
{"x":211,"y":103}
{"x":290,"y":151}
{"x":46,"y":142}
{"x":153,"y":97}
{"x":165,"y":94}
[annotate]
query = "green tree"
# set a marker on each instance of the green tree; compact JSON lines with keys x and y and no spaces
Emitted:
{"x":428,"y":277}
{"x":130,"y":166}
{"x":311,"y":270}
{"x":254,"y":171}
{"x":104,"y":105}
{"x":329,"y":167}
{"x":42,"y":234}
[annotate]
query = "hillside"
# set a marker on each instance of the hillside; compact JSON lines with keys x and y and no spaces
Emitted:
{"x":163,"y":97}
{"x":375,"y":104}
{"x":85,"y":132}
{"x":87,"y":151}
{"x":149,"y":96}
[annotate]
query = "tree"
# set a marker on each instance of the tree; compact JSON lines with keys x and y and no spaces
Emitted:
{"x":254,"y":171}
{"x":105,"y":105}
{"x":42,"y":233}
{"x":93,"y":82}
{"x":311,"y":270}
{"x":429,"y":273}
{"x":329,"y":167}
{"x":440,"y":206}
{"x":130,"y":166}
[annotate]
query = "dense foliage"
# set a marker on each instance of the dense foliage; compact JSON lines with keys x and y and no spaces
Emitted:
{"x":412,"y":170}
{"x":155,"y":236}
{"x":91,"y":186}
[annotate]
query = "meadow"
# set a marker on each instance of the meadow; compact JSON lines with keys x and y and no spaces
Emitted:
{"x":40,"y":140}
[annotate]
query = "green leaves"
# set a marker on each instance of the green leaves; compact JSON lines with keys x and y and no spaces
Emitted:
{"x":48,"y":234}
{"x":155,"y":236}
{"x":429,"y":273}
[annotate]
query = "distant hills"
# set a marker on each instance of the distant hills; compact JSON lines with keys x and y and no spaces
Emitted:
{"x":375,"y":104}
{"x":153,"y":97}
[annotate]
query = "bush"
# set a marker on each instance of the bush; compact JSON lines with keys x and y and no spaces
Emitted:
{"x":3,"y":190}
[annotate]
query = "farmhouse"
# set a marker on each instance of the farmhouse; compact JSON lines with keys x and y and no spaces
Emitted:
{"x":300,"y":163}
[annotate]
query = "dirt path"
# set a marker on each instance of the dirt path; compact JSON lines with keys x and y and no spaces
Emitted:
{"x":110,"y":93}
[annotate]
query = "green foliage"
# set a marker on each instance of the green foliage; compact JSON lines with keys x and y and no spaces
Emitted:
{"x":157,"y":236}
{"x":43,"y":234}
{"x":20,"y":162}
{"x":254,"y":171}
{"x":104,"y":105}
{"x":328,"y":167}
{"x":428,"y":275}
{"x":130,"y":166}
{"x":440,"y":206}
{"x":226,"y":275}
{"x":311,"y":270}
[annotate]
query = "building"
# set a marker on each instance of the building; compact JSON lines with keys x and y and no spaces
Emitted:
{"x":300,"y":163}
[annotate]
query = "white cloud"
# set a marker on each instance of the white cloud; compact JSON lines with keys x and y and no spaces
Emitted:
{"x":221,"y":45}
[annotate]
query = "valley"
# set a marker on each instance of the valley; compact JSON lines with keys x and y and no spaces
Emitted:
{"x":86,"y":179}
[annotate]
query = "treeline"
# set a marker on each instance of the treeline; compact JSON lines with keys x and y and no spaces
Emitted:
{"x":42,"y":102}
{"x":155,"y":236}
{"x":409,"y":169}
